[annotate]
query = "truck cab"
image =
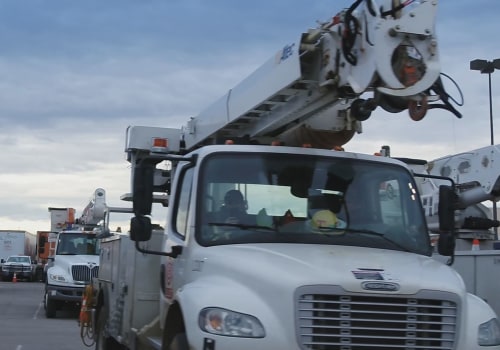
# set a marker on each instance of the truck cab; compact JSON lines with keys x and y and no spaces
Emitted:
{"x":74,"y":264}
{"x":324,"y":250}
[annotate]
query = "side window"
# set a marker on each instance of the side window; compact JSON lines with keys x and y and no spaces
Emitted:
{"x":182,"y":209}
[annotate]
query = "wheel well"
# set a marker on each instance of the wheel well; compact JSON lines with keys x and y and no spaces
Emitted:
{"x":174,"y":323}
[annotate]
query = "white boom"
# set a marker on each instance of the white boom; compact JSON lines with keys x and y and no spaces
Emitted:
{"x":95,"y":210}
{"x":309,"y":91}
{"x":475,"y":175}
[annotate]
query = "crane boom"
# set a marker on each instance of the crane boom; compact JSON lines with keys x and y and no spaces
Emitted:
{"x":310,"y":90}
{"x":476,"y":178}
{"x":476,"y":173}
{"x":95,"y":210}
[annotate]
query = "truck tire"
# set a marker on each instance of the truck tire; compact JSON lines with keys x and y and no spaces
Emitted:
{"x":179,"y":342}
{"x":103,"y":341}
{"x":50,"y":306}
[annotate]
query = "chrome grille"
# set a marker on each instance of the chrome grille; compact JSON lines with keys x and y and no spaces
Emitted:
{"x":83,"y":273}
{"x":18,"y":268}
{"x":360,"y":322}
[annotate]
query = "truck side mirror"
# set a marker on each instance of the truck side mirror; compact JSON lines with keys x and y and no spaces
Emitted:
{"x":142,"y":192}
{"x":41,"y":244}
{"x":140,"y":228}
{"x":446,"y":209}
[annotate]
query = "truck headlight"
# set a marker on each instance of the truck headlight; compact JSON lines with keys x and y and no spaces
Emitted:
{"x":229,"y":323}
{"x":488,"y":333}
{"x":58,"y":278}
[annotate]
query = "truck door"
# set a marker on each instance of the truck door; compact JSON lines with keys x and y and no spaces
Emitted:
{"x":178,"y":232}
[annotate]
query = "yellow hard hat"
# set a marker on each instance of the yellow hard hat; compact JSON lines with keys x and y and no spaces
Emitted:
{"x":324,"y":220}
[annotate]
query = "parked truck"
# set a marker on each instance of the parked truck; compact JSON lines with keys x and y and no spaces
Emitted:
{"x":294,"y":245}
{"x":18,"y":267}
{"x":15,"y":244}
{"x":75,"y":259}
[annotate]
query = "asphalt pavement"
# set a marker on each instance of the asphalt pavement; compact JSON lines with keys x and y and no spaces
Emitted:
{"x":23,"y":325}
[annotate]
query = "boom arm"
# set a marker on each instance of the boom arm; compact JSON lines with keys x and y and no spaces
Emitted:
{"x":309,"y":92}
{"x":95,"y":210}
{"x":476,"y":173}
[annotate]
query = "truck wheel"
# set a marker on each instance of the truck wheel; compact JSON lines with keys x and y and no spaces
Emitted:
{"x":103,"y":340}
{"x":179,"y":342}
{"x":50,"y":306}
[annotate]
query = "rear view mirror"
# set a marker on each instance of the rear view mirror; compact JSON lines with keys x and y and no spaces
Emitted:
{"x":447,"y":203}
{"x":140,"y":228}
{"x":143,"y":182}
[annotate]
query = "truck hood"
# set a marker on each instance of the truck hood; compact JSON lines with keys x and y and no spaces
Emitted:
{"x":64,"y":261}
{"x":287,"y":267}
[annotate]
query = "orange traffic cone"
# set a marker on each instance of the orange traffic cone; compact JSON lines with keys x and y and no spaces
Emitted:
{"x":14,"y":278}
{"x":475,"y":244}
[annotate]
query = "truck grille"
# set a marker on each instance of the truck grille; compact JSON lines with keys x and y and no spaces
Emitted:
{"x":330,"y":319}
{"x":18,"y":268}
{"x":84,"y":273}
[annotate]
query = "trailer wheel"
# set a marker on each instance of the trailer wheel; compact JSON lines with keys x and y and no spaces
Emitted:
{"x":50,"y":306}
{"x":179,"y":342}
{"x":103,"y":340}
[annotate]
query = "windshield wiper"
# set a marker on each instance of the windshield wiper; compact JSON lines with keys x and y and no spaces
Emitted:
{"x":243,"y":226}
{"x":379,"y":234}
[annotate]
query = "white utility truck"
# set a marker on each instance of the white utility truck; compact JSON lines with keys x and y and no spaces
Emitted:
{"x":296,"y":246}
{"x":76,"y":258}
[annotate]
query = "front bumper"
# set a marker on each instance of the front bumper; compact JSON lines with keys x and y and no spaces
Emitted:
{"x":9,"y":274}
{"x":67,"y":294}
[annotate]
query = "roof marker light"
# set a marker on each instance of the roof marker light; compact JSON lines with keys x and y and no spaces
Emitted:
{"x":159,"y":145}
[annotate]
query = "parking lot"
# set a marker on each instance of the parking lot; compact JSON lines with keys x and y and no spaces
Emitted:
{"x":23,"y":325}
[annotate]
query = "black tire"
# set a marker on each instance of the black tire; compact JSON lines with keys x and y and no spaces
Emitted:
{"x":102,"y":340}
{"x":50,"y":306}
{"x":39,"y":275}
{"x":179,"y":342}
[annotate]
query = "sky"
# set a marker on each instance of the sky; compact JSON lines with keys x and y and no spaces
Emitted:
{"x":75,"y":74}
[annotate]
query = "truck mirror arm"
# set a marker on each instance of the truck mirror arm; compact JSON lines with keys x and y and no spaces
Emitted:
{"x":176,"y":251}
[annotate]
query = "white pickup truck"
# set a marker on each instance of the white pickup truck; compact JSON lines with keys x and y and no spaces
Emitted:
{"x":19,"y":265}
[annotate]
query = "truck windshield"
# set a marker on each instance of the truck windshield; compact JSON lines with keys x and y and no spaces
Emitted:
{"x":77,"y":244}
{"x":19,"y":259}
{"x":285,"y":198}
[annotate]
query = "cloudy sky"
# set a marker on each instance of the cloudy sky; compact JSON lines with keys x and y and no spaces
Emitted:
{"x":75,"y":74}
